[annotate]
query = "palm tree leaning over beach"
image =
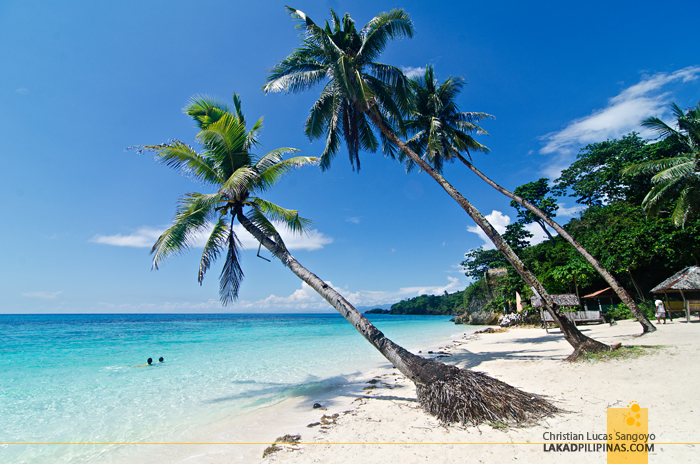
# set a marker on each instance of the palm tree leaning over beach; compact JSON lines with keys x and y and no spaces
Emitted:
{"x":442,"y":133}
{"x":358,"y":89}
{"x":227,"y":165}
{"x":676,"y":179}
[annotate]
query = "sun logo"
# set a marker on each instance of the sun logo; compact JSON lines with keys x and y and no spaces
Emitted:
{"x":632,"y":418}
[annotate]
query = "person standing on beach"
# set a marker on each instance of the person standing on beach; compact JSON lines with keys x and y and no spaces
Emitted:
{"x":660,"y":311}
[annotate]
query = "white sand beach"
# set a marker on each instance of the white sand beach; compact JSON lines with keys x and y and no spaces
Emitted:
{"x":385,"y":424}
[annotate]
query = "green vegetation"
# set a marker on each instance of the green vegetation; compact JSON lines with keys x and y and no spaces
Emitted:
{"x":640,"y":250}
{"x":448,"y":304}
{"x":621,"y":354}
{"x":378,"y":311}
{"x":676,"y":177}
{"x":224,"y":163}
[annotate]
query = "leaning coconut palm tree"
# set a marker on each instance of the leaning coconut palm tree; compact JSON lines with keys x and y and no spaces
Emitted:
{"x":359,"y":89}
{"x":677,"y":179}
{"x":225,"y":163}
{"x":443,"y":133}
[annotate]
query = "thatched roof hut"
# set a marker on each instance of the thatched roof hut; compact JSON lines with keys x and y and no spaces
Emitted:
{"x":684,"y":282}
{"x":687,"y":279}
{"x":564,"y":299}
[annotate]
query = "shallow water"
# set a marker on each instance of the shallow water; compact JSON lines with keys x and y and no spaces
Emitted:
{"x":69,"y":378}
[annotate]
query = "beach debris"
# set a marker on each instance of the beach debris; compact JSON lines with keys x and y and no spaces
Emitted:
{"x":370,"y":387}
{"x":313,"y":424}
{"x":283,"y":440}
{"x":329,"y":420}
{"x":319,"y":406}
{"x":472,"y":398}
{"x":271,"y":449}
{"x":288,"y":439}
{"x":492,"y":330}
{"x":374,"y":380}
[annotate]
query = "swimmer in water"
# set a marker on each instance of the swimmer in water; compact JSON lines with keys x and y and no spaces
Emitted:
{"x":161,"y":359}
{"x":149,"y":362}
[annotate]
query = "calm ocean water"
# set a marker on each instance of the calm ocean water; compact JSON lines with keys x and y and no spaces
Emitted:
{"x":69,"y":378}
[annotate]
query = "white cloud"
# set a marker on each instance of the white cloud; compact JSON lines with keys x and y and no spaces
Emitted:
{"x":354,"y":220}
{"x":569,"y":212}
{"x":498,"y":220}
{"x":306,"y":298}
{"x":43,"y":295}
{"x":145,"y":237}
{"x":538,"y":235}
{"x":413,"y":72}
{"x":622,"y":115}
{"x":453,"y":285}
{"x":22,"y":91}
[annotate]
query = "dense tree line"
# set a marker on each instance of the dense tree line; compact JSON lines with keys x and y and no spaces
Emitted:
{"x":447,"y":304}
{"x":640,"y":247}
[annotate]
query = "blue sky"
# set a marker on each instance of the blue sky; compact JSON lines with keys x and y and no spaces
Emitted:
{"x":81,"y":81}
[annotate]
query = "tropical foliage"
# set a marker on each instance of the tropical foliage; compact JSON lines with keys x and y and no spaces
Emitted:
{"x":677,"y":178}
{"x":226,"y":164}
{"x":351,"y":94}
{"x":441,"y":131}
{"x":447,"y":304}
{"x":355,"y":82}
{"x":537,"y":194}
{"x":640,"y":251}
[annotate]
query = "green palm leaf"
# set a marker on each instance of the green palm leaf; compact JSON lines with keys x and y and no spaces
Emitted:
{"x":216,"y":242}
{"x":275,"y":213}
{"x":356,"y":84}
{"x":441,"y":131}
{"x":192,"y":217}
{"x":270,"y":174}
{"x":227,"y":162}
{"x":185,"y":159}
{"x":231,"y":274}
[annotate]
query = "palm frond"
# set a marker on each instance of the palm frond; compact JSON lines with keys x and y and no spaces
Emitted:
{"x":660,"y":127}
{"x":192,"y":217}
{"x":293,"y":76}
{"x":276,"y":213}
{"x":186,"y":160}
{"x":333,"y":136}
{"x":212,"y":249}
{"x":226,"y":140}
{"x":383,"y":28}
{"x":269,"y":175}
{"x":231,"y":274}
{"x":205,"y":110}
{"x":238,"y":184}
{"x":676,"y":172}
{"x":320,"y":113}
{"x":653,"y":166}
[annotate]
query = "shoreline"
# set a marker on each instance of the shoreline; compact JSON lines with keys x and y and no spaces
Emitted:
{"x":386,"y":423}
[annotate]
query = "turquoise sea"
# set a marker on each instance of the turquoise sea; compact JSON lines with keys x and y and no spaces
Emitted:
{"x":69,"y":378}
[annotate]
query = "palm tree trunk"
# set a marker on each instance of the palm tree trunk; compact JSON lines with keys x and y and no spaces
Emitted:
{"x":636,"y":287}
{"x":579,"y":341}
{"x":544,"y":227}
{"x":647,"y":326}
{"x":450,"y":393}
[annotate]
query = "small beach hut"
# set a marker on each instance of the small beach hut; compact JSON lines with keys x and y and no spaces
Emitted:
{"x":685,"y":282}
{"x":567,"y":300}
